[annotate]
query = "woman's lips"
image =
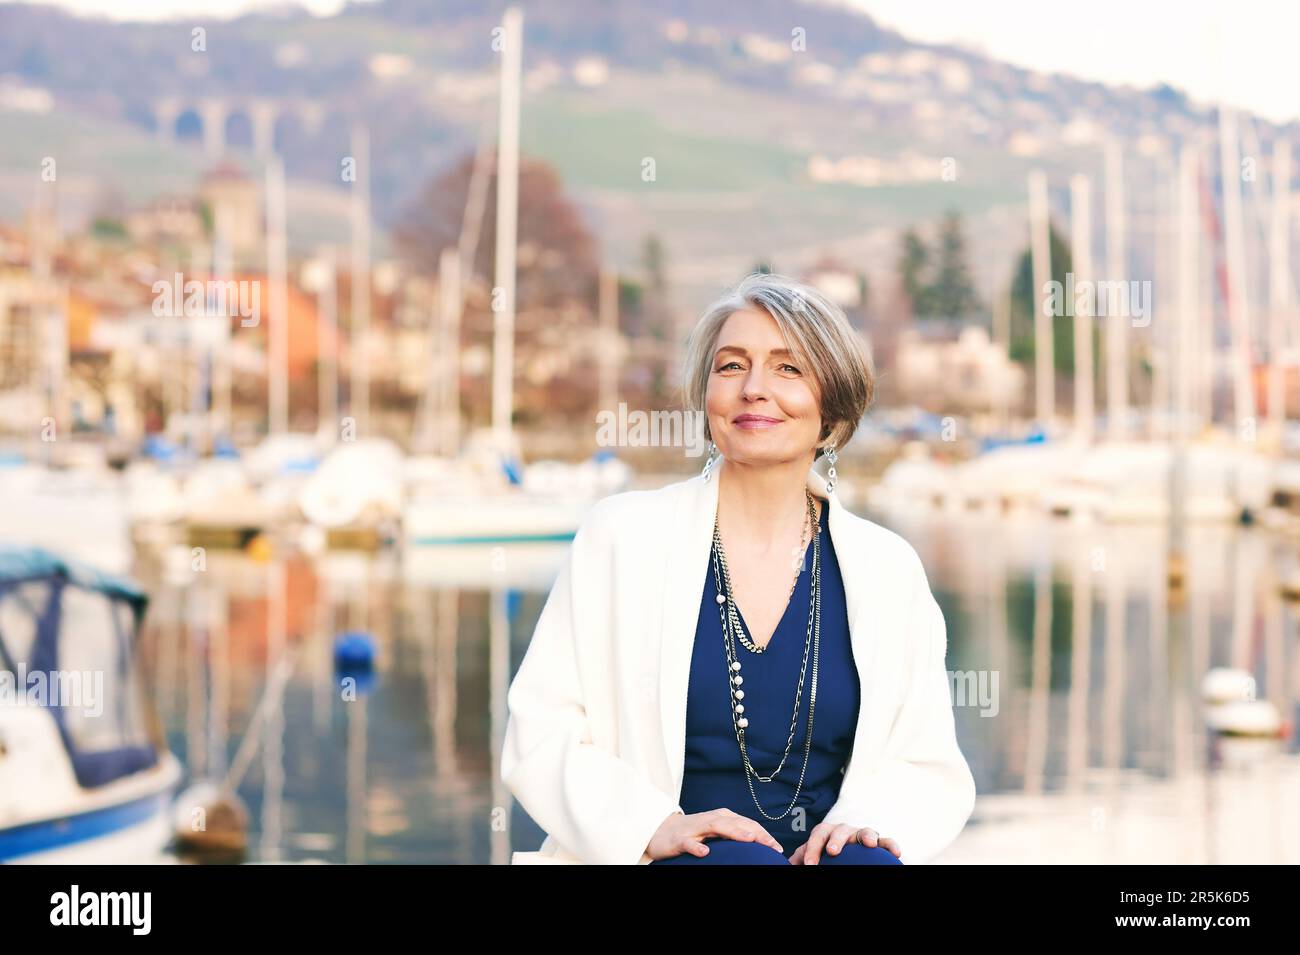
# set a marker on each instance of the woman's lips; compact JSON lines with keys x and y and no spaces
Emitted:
{"x":755,"y":424}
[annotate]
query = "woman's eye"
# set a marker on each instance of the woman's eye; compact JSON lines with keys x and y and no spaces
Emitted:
{"x":729,"y":365}
{"x":792,"y":368}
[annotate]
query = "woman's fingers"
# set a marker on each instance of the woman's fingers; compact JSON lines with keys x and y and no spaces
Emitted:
{"x":732,"y":825}
{"x":830,"y":839}
{"x":840,"y":836}
{"x":824,"y":838}
{"x":817,"y":841}
{"x":695,"y":847}
{"x":867,"y":837}
{"x":753,"y":832}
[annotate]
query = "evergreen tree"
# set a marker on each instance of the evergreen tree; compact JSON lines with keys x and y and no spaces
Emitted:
{"x":952,"y":294}
{"x":657,"y":315}
{"x":913,"y":263}
{"x":1024,"y":301}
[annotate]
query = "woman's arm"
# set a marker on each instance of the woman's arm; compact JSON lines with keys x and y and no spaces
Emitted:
{"x":922,"y":792}
{"x":595,"y":804}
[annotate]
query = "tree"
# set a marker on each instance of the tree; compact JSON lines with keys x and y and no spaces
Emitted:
{"x":1024,"y":301}
{"x":938,"y":284}
{"x":557,"y":258}
{"x":952,"y":294}
{"x":108,"y":229}
{"x":913,"y":263}
{"x":657,"y":313}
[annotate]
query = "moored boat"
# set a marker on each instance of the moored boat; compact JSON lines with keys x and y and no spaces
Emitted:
{"x":85,"y":775}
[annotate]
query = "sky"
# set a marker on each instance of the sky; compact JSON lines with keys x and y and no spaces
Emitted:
{"x":166,"y":9}
{"x":1240,"y":51}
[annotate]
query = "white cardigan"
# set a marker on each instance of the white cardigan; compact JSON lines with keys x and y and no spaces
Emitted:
{"x":595,"y":741}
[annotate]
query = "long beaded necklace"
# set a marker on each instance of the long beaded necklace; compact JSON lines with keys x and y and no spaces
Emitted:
{"x":731,"y":626}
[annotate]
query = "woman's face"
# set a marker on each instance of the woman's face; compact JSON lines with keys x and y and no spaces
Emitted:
{"x":762,"y":404}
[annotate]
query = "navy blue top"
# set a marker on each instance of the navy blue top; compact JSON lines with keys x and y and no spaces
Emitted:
{"x":714,"y":775}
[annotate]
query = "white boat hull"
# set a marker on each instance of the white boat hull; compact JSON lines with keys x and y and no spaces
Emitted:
{"x":492,"y":519}
{"x":45,"y":816}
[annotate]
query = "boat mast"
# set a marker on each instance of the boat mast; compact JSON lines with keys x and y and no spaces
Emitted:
{"x":1002,"y":339}
{"x":327,"y":354}
{"x":277,"y":397}
{"x":608,"y":338}
{"x":223,"y":267}
{"x":503,"y":293}
{"x":1184,"y":337}
{"x":1165,"y":203}
{"x":196,"y":349}
{"x":449,"y":307}
{"x":1180,"y":369}
{"x":1117,"y":271}
{"x":1040,"y":253}
{"x":54,"y":333}
{"x":1279,"y":284}
{"x":360,"y":327}
{"x":1238,"y":297}
{"x":1081,"y":240}
{"x":438,"y":416}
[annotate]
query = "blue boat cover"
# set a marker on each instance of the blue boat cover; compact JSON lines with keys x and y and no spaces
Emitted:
{"x":35,"y":581}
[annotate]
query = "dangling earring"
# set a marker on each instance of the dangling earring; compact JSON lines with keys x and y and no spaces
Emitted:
{"x":830,"y":474}
{"x":708,"y":465}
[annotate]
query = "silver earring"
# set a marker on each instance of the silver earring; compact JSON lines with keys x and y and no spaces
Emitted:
{"x":830,"y":474}
{"x":708,"y":465}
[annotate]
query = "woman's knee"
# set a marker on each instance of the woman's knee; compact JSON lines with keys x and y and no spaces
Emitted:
{"x":857,"y":854}
{"x":730,"y":852}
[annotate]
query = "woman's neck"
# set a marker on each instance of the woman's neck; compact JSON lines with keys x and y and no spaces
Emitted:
{"x":760,"y":504}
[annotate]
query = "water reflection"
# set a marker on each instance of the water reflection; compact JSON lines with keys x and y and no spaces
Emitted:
{"x":399,"y":771}
{"x":1094,"y":746}
{"x":1099,"y":749}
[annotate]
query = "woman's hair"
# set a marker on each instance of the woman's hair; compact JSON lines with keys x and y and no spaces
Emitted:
{"x":814,"y":328}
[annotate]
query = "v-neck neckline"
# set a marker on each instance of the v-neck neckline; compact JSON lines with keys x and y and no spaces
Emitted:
{"x":789,"y":604}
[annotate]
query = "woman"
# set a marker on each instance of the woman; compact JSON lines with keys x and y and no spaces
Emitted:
{"x":734,"y":668}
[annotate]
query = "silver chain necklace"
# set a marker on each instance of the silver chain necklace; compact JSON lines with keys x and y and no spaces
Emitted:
{"x":731,"y":626}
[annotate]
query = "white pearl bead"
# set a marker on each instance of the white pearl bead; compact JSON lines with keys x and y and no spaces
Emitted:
{"x":740,"y":708}
{"x":737,"y":680}
{"x":736,"y":665}
{"x":740,"y":694}
{"x":742,"y":722}
{"x":722,"y":598}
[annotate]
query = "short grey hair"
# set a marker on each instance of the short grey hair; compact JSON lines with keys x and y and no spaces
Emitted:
{"x":814,"y":328}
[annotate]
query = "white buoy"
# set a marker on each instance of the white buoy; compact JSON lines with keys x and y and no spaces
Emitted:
{"x":1227,"y":685}
{"x":312,"y":539}
{"x":1244,"y":718}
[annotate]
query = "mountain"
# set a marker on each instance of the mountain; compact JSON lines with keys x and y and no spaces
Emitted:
{"x":777,"y":129}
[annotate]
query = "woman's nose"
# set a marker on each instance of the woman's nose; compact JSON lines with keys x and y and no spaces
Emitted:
{"x":755,"y":384}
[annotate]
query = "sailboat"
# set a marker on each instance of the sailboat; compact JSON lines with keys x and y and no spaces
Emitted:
{"x":485,"y":495}
{"x":85,"y":775}
{"x":1227,"y":475}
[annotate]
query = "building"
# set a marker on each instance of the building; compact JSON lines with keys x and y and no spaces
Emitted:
{"x":228,"y":192}
{"x":949,"y":367}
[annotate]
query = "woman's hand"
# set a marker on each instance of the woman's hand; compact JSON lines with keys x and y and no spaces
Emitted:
{"x":680,"y":833}
{"x":833,"y":838}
